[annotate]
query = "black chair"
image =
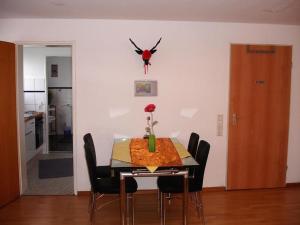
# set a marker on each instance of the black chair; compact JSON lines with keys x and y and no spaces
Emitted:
{"x":193,"y":144}
{"x":104,"y":185}
{"x":192,"y":149}
{"x":101,"y":171}
{"x":174,"y":184}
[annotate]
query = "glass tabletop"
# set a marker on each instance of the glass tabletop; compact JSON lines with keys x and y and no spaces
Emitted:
{"x":115,"y":164}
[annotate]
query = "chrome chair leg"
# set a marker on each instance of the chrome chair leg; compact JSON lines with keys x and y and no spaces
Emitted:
{"x":127,"y":208}
{"x":197,"y":203}
{"x":192,"y":197}
{"x":93,"y":208}
{"x":132,"y":205}
{"x":163,"y":208}
{"x":169,"y":198}
{"x":90,"y":201}
{"x":199,"y":206}
{"x":158,"y":201}
{"x":104,"y":204}
{"x":94,"y":197}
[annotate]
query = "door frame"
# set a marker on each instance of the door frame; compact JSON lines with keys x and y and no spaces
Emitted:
{"x":20,"y":107}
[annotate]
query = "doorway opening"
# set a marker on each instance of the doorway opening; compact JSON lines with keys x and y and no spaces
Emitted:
{"x":47,"y":87}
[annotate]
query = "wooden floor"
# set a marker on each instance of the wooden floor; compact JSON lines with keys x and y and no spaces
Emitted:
{"x":267,"y":207}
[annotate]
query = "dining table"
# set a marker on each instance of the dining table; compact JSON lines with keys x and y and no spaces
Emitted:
{"x":133,"y":161}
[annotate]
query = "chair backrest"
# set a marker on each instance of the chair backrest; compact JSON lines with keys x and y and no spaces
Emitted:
{"x":193,"y":144}
{"x":88,"y":140}
{"x":90,"y":157}
{"x":201,"y":158}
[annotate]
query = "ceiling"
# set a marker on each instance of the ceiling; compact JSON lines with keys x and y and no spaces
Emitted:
{"x":247,"y":11}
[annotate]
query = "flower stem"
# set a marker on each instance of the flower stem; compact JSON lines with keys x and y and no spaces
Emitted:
{"x":151,"y":127}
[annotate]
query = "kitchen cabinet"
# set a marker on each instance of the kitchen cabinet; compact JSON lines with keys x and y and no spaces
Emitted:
{"x":30,"y":138}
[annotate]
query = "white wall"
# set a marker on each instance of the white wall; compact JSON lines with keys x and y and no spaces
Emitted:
{"x":192,"y":70}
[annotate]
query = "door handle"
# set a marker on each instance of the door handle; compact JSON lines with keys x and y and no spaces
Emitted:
{"x":234,"y":119}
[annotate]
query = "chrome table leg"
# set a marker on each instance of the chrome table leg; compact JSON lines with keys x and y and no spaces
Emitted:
{"x":185,"y":200}
{"x":122,"y":200}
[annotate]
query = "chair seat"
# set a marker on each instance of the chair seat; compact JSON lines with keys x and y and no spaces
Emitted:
{"x":103,"y":171}
{"x":111,"y":185}
{"x":175,"y":185}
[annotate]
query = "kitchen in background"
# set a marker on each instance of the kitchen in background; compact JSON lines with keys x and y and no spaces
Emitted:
{"x":59,"y":71}
{"x":48,"y":114}
{"x":34,"y":116}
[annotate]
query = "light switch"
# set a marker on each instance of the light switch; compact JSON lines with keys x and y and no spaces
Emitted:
{"x":220,"y":125}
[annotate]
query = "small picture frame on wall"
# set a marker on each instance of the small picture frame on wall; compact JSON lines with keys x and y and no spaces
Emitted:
{"x":145,"y":88}
{"x":54,"y":70}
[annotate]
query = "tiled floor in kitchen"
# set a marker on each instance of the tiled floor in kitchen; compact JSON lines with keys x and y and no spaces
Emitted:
{"x":60,"y":143}
{"x":49,"y":186}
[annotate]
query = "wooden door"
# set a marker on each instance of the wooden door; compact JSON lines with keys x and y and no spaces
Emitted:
{"x":9,"y":171}
{"x":258,"y":116}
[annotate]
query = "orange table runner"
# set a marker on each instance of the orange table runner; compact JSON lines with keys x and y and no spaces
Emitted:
{"x":164,"y":155}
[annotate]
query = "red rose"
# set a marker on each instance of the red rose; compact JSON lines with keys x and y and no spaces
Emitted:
{"x":150,"y":108}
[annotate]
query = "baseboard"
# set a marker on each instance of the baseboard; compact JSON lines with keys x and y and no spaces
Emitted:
{"x":214,"y":189}
{"x":296,"y":184}
{"x":205,"y":189}
{"x":83,"y":193}
{"x":154,"y":191}
{"x":139,"y":192}
{"x":146,"y":191}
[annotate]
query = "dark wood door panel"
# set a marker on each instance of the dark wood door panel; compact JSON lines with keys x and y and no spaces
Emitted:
{"x":9,"y":170}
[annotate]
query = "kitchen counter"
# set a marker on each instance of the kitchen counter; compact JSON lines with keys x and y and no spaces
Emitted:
{"x":33,"y":115}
